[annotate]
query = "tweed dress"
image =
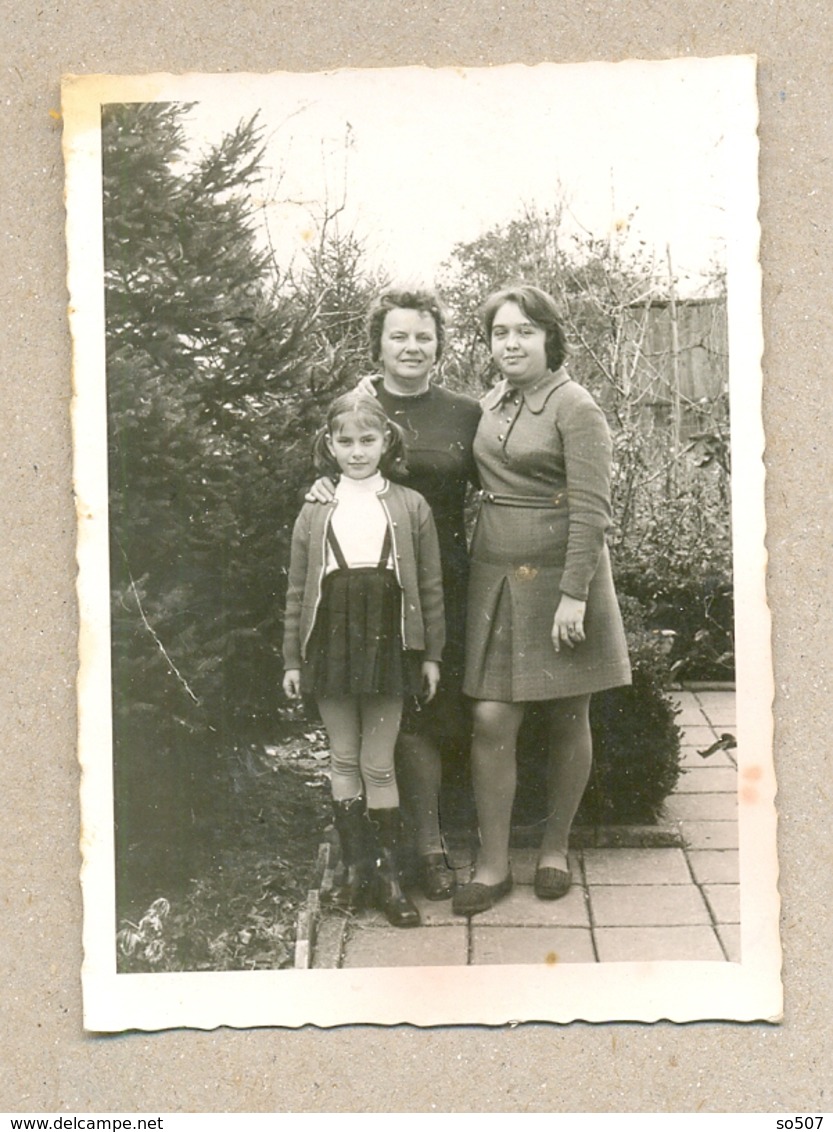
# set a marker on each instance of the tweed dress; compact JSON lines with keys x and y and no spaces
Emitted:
{"x":543,"y":455}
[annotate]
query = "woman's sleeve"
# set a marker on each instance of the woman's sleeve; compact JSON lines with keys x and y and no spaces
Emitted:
{"x":588,"y":453}
{"x":298,"y":559}
{"x":472,"y":474}
{"x":430,"y":579}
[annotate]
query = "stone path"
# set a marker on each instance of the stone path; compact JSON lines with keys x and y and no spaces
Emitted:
{"x":680,"y":902}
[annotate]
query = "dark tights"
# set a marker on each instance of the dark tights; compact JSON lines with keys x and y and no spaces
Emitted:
{"x":496,"y":726}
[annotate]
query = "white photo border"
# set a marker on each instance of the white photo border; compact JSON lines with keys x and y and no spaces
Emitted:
{"x":424,"y":996}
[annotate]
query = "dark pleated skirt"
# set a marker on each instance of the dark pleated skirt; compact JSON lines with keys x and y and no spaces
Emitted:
{"x":356,"y":645}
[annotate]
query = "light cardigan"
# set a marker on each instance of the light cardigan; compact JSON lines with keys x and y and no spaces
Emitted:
{"x":416,"y":560}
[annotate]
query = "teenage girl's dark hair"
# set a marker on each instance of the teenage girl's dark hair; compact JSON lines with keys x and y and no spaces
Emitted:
{"x":424,"y":301}
{"x":539,"y":308}
{"x":370,"y":414}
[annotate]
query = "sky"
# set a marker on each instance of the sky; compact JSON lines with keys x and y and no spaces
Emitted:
{"x":423,"y":159}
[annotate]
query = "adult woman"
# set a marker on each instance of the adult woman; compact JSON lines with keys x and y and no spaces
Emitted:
{"x":406,"y":331}
{"x":543,"y":622}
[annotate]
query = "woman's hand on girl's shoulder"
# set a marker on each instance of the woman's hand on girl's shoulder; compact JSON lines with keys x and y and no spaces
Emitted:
{"x":322,"y":491}
{"x":366,"y":385}
{"x":430,"y":680}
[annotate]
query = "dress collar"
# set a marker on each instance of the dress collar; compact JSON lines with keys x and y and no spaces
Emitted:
{"x":535,"y":396}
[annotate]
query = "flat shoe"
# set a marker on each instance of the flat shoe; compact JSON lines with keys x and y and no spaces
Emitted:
{"x":476,"y":897}
{"x":551,"y":883}
{"x":435,"y":877}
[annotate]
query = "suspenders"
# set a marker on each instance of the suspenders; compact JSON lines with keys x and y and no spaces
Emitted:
{"x":338,"y":553}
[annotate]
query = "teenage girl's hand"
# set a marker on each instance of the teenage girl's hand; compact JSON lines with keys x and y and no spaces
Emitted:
{"x":322,"y":491}
{"x":292,"y":683}
{"x":430,"y":680}
{"x":568,"y":623}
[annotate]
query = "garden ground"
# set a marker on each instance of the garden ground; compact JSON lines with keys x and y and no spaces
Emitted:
{"x":635,"y":900}
{"x":228,"y":891}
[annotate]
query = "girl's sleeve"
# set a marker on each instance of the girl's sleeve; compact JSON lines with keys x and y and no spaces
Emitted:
{"x":298,"y":558}
{"x":588,"y":454}
{"x":429,"y":575}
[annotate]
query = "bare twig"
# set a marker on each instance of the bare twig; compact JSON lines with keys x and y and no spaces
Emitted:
{"x":153,"y":632}
{"x":161,"y":647}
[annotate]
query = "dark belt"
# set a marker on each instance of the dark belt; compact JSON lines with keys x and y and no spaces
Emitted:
{"x":553,"y":503}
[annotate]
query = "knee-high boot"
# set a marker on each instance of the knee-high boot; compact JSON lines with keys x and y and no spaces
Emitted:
{"x":356,"y":855}
{"x":390,"y":899}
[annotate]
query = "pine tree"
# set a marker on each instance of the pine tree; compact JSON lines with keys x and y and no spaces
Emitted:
{"x":201,"y":357}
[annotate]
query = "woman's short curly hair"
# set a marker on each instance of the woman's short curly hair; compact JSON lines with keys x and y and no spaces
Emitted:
{"x":539,"y":308}
{"x":426,"y":302}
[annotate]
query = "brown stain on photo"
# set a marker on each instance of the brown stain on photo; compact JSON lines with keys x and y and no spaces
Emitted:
{"x":749,"y":793}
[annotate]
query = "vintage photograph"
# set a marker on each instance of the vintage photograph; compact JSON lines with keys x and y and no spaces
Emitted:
{"x":424,"y":666}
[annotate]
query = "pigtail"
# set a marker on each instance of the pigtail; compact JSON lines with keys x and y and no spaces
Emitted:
{"x":322,"y":458}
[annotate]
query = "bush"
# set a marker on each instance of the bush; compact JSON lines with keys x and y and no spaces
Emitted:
{"x":635,"y":739}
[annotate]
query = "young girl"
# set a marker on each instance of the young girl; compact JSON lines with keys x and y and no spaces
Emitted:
{"x":364,"y":628}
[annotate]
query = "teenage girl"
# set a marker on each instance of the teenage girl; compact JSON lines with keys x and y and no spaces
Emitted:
{"x":364,"y":628}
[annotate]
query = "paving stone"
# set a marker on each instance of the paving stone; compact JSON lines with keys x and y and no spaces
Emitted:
{"x":434,"y":913}
{"x":690,"y":757}
{"x":690,"y":713}
{"x":522,"y":907}
{"x":684,"y":699}
{"x":692,"y":719}
{"x":622,"y":905}
{"x":702,"y":807}
{"x":617,"y":945}
{"x":701,"y":737}
{"x":724,"y":901}
{"x":664,"y":834}
{"x":711,"y":834}
{"x":714,"y":866}
{"x":719,"y":708}
{"x":730,"y":938}
{"x":532,"y":945}
{"x":636,"y":866}
{"x":329,"y":940}
{"x":372,"y":946}
{"x":707,"y":779}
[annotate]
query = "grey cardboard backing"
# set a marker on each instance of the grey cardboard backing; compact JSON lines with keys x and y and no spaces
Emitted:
{"x":48,"y":1063}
